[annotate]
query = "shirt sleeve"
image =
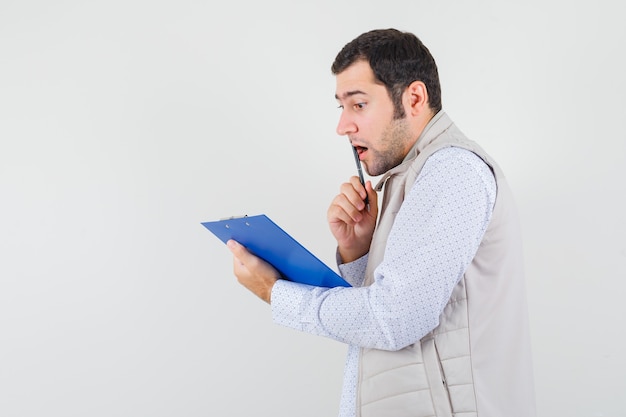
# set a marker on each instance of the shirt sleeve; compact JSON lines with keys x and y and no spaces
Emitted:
{"x":435,"y":235}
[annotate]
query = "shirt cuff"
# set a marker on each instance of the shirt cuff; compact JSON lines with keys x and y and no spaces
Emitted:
{"x":354,"y":272}
{"x":287,"y":299}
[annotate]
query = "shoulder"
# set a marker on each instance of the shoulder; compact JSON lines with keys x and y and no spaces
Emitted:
{"x":453,"y":161}
{"x":457,"y":171}
{"x":456,"y":154}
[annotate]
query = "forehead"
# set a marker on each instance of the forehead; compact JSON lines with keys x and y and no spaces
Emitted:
{"x":358,"y":78}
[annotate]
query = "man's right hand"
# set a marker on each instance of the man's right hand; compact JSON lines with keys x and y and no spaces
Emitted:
{"x":351,"y":221}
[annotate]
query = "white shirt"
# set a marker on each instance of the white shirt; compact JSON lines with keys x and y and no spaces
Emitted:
{"x":435,"y":235}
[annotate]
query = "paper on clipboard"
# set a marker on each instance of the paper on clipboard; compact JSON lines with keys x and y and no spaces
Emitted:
{"x":270,"y":242}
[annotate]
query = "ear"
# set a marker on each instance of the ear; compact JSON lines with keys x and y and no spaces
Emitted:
{"x":416,"y":98}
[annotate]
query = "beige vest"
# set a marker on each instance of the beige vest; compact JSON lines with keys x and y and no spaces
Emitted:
{"x":476,"y":362}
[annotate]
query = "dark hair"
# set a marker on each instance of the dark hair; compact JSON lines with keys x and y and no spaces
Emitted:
{"x":397,"y":59}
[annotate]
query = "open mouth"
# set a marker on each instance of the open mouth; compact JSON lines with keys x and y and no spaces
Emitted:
{"x":360,"y":150}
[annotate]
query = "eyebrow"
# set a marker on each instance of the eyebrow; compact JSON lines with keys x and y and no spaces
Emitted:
{"x":349,"y":94}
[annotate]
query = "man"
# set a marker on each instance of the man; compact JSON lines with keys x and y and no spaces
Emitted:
{"x":436,"y":320}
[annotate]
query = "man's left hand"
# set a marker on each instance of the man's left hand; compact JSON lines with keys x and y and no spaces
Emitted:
{"x":253,"y":272}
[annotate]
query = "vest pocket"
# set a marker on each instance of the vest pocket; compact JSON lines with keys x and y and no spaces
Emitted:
{"x":436,"y":379}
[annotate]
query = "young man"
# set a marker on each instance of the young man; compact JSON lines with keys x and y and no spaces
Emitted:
{"x":436,"y":320}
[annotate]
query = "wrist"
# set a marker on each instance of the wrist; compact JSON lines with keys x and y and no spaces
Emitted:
{"x":346,"y":255}
{"x":268,"y":293}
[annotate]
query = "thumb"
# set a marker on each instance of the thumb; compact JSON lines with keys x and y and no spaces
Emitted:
{"x":242,"y":255}
{"x":237,"y":249}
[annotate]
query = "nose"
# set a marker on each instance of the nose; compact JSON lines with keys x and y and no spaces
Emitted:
{"x":345,"y":126}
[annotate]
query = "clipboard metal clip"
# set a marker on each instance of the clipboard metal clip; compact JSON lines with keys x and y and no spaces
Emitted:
{"x":233,"y":217}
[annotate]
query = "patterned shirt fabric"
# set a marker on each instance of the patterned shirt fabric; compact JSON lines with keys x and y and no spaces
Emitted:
{"x":435,"y":235}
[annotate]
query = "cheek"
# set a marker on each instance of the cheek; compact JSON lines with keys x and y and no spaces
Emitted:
{"x":371,"y":129}
{"x":379,"y":134}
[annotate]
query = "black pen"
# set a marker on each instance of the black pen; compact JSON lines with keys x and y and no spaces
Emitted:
{"x":360,"y":170}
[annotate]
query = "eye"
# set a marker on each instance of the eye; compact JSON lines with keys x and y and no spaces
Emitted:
{"x":359,"y":106}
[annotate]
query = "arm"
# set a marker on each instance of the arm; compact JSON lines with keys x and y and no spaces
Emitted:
{"x":434,"y":238}
{"x":352,"y":222}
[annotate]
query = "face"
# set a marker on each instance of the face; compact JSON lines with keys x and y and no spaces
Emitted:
{"x":367,"y":119}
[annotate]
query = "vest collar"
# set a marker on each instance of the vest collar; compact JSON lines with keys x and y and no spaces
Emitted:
{"x":435,"y":127}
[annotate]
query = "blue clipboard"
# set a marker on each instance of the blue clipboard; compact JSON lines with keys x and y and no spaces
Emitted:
{"x":270,"y":242}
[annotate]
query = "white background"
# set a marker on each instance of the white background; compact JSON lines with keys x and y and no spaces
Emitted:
{"x":124,"y":124}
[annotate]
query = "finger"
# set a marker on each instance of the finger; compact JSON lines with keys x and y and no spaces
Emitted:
{"x":354,"y":193}
{"x":237,"y":249}
{"x":343,"y":209}
{"x":240,"y":253}
{"x":359,"y":188}
{"x":247,"y":259}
